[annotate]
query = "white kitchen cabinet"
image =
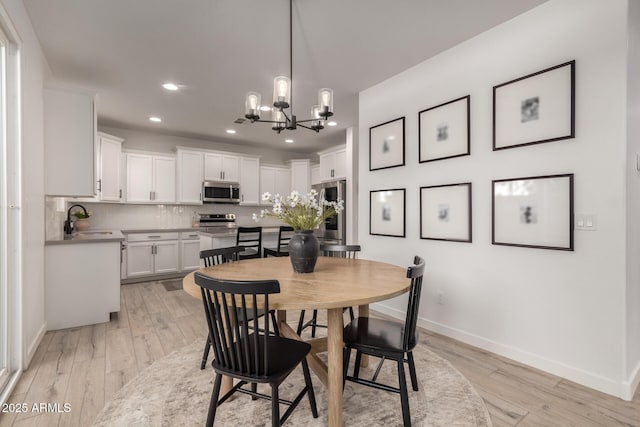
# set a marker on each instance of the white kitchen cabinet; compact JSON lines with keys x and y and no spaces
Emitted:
{"x":109,"y":186}
{"x":300,"y":175}
{"x":152,"y":253}
{"x":333,"y":164}
{"x":189,"y":251}
{"x":82,"y":282}
{"x":150,"y":178}
{"x":249,"y":181}
{"x":275,"y":180}
{"x":221,"y":167}
{"x":190,"y":174}
{"x":70,"y":144}
{"x":315,"y":174}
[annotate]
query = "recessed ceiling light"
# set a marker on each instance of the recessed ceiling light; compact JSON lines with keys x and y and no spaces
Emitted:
{"x":155,"y":119}
{"x":170,"y":86}
{"x":289,"y":141}
{"x":231,"y":131}
{"x":332,"y":124}
{"x":265,"y":108}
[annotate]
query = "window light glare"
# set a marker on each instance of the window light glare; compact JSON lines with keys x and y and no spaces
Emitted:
{"x":332,"y":123}
{"x":155,"y":119}
{"x":231,"y":131}
{"x":170,"y":86}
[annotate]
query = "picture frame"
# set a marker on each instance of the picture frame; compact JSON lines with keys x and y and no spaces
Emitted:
{"x":445,"y":212}
{"x":444,"y":131}
{"x":533,"y":212}
{"x":536,"y":108}
{"x":386,"y":145}
{"x":387,"y":212}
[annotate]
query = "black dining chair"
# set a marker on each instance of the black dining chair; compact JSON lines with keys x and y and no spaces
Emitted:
{"x":250,"y":238}
{"x":388,"y":340}
{"x":251,"y":357}
{"x":285,"y":233}
{"x":211,"y":257}
{"x":339,"y":251}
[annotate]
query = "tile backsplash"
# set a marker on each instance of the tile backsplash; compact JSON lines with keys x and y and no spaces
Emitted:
{"x":126,"y":216}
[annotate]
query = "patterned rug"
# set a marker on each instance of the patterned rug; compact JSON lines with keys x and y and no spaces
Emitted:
{"x":175,"y":392}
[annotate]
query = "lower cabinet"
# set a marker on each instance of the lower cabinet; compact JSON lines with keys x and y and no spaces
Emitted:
{"x":189,"y":251}
{"x":152,"y":253}
{"x":162,"y":253}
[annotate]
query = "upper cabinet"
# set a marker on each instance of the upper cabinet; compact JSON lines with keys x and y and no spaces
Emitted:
{"x":249,"y":180}
{"x":221,"y":167}
{"x":333,"y":164}
{"x":70,"y":140}
{"x":274,"y":180}
{"x":190,"y":174}
{"x":300,"y":175}
{"x":109,"y":185}
{"x":315,"y":174}
{"x":151,"y":178}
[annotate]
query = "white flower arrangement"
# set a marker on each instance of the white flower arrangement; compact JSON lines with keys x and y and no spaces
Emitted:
{"x":302,"y":212}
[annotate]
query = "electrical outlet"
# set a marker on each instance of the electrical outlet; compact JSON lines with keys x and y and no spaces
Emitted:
{"x":587,"y":222}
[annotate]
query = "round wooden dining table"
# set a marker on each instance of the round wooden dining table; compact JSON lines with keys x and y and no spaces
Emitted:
{"x":335,"y":283}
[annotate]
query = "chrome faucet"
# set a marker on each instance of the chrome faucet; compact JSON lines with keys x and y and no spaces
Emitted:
{"x":68,"y":229}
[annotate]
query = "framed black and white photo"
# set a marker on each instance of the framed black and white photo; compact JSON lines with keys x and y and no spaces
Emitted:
{"x":534,"y":212}
{"x":386,"y":145}
{"x":443,"y":131}
{"x":445,"y":212}
{"x":387,"y":215}
{"x":536,"y":108}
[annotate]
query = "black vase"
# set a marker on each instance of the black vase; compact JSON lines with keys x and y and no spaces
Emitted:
{"x":303,"y":251}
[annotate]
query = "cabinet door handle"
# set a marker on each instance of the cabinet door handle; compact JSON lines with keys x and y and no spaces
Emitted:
{"x":200,"y":196}
{"x":150,"y":195}
{"x":154,"y":237}
{"x":100,"y":185}
{"x":220,"y":174}
{"x":120,"y":194}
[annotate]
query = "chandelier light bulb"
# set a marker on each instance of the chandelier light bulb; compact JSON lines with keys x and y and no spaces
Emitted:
{"x":281,"y":92}
{"x":252,"y":106}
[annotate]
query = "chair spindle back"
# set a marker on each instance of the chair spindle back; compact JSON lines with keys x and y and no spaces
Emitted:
{"x":415,"y":273}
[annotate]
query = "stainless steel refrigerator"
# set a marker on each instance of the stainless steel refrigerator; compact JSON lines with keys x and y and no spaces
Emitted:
{"x":333,"y":230}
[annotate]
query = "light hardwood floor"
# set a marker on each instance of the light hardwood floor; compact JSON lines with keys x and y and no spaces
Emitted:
{"x":86,"y":366}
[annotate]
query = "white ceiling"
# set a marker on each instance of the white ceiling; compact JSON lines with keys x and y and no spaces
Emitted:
{"x":219,"y":49}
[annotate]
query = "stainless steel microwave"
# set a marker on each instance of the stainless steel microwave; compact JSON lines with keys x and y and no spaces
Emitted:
{"x":220,"y":192}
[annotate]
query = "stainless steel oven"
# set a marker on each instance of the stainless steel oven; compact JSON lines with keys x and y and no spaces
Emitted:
{"x":220,"y":192}
{"x":334,"y":228}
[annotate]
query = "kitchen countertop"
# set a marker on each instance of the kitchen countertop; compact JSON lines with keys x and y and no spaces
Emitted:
{"x":89,"y":236}
{"x":233,"y":232}
{"x":156,"y":229}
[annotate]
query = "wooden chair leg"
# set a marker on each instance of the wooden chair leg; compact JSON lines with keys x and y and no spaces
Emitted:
{"x":356,"y":368}
{"x":315,"y":322}
{"x":346,"y":355}
{"x":300,"y":323}
{"x":275,"y":324}
{"x":205,"y":353}
{"x":213,"y":405}
{"x":404,"y":394}
{"x":412,"y":371}
{"x":310,"y":393}
{"x":275,"y":406}
{"x":254,"y":388}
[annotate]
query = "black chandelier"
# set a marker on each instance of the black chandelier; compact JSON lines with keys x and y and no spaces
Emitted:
{"x":283,"y":99}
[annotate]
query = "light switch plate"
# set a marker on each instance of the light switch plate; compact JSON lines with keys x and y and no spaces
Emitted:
{"x":587,"y":222}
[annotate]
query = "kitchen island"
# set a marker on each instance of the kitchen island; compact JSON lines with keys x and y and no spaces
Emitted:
{"x":82,"y":278}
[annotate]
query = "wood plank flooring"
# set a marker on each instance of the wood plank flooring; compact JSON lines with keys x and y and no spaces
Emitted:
{"x":86,"y":366}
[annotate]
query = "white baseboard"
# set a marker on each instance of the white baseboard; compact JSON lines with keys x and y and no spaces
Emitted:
{"x":31,"y":351}
{"x":588,"y":379}
{"x":629,"y":387}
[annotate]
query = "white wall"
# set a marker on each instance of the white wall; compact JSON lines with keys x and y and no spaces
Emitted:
{"x":563,"y":312}
{"x":33,"y":71}
{"x":157,"y":142}
{"x":632,"y":372}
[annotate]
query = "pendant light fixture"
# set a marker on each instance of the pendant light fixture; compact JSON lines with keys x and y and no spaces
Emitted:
{"x":283,"y":100}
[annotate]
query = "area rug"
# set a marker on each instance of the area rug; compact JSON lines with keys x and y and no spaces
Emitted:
{"x":175,"y":392}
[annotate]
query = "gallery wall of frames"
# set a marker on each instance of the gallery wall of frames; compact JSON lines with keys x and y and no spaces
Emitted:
{"x":532,"y":212}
